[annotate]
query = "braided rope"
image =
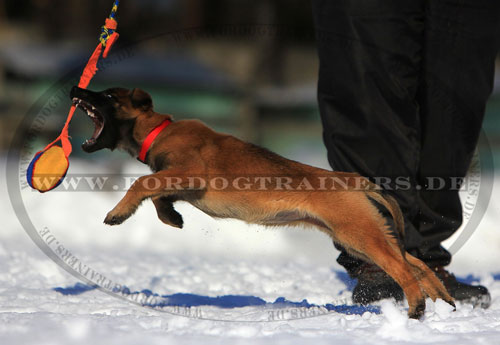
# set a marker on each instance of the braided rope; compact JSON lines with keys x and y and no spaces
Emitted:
{"x":114,"y":9}
{"x":110,"y":26}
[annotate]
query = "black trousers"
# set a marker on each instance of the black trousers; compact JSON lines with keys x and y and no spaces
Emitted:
{"x":402,"y":91}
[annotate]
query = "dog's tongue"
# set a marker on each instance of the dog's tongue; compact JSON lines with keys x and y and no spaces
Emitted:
{"x":99,"y":125}
{"x":96,"y":119}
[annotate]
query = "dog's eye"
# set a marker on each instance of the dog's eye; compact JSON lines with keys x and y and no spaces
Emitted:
{"x":110,"y":96}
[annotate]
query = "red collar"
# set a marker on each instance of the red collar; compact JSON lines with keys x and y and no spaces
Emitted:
{"x":150,"y":138}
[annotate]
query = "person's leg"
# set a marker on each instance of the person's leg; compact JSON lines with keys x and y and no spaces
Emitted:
{"x":380,"y":115}
{"x":461,"y":42}
{"x":370,"y":57}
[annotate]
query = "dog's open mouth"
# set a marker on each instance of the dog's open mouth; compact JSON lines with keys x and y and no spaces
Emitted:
{"x":96,"y":117}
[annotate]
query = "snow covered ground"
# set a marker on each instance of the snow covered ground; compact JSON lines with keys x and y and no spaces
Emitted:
{"x":263,"y":276}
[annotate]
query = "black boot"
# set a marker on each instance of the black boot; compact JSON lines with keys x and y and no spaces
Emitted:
{"x":374,"y":285}
{"x":477,"y":295}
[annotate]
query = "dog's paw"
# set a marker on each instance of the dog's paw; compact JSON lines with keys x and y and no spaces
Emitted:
{"x":173,"y":219}
{"x":114,"y":219}
{"x":177,"y":220}
{"x":417,"y":311}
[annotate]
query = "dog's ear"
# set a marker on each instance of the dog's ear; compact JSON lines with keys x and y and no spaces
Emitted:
{"x":141,"y":99}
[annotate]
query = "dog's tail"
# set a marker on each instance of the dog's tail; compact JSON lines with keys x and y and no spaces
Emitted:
{"x":393,"y":207}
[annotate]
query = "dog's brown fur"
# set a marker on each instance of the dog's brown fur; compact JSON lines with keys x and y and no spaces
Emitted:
{"x":190,"y":148}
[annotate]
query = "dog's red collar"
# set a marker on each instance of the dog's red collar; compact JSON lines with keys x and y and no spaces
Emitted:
{"x":150,"y":138}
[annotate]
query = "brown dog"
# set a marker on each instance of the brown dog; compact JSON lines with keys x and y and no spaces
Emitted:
{"x":228,"y":178}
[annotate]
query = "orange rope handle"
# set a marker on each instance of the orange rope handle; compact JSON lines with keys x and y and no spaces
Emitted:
{"x":88,"y":73}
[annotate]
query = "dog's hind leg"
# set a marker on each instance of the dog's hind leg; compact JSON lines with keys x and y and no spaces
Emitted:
{"x":166,"y":212}
{"x":430,"y":283}
{"x":378,"y":251}
{"x":361,"y":229}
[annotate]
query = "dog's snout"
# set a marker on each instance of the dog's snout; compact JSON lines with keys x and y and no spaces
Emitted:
{"x":78,"y":92}
{"x":73,"y":91}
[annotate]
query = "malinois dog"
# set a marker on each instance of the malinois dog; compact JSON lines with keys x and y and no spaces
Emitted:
{"x":228,"y":178}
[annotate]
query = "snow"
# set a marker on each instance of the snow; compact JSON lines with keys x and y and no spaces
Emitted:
{"x":278,"y":268}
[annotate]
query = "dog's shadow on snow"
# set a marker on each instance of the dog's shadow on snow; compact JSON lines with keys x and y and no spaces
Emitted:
{"x":240,"y":301}
{"x":228,"y":301}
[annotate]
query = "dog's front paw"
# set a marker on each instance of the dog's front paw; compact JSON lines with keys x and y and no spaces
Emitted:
{"x":115,"y":219}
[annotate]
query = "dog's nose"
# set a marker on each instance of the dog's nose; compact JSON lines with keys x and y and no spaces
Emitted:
{"x":73,"y":92}
{"x":77,"y":92}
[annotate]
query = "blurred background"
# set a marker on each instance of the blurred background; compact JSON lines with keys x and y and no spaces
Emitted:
{"x":244,"y":67}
